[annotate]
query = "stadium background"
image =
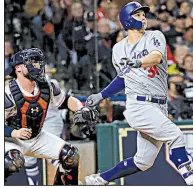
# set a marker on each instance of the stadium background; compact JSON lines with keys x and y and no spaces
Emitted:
{"x":77,"y":38}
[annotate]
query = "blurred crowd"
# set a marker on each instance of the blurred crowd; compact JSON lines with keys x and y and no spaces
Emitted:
{"x":78,"y":41}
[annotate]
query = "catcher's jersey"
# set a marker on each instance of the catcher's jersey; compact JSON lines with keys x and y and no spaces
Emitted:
{"x":150,"y":81}
{"x":55,"y":100}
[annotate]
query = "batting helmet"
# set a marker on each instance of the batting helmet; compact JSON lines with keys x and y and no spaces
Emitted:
{"x":126,"y":19}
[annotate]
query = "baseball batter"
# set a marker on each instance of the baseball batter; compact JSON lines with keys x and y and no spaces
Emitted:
{"x":141,"y":64}
{"x":27,"y":98}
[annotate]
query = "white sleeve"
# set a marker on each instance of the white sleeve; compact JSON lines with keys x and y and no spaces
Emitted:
{"x":57,"y":95}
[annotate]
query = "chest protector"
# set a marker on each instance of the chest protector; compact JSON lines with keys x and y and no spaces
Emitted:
{"x":31,"y":111}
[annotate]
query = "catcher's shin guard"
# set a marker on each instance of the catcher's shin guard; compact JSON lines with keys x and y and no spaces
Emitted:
{"x":14,"y":161}
{"x":67,"y":172}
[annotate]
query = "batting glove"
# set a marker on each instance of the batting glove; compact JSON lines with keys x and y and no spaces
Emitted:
{"x":134,"y":63}
{"x":94,"y":99}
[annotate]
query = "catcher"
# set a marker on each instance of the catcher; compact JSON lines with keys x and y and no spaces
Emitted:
{"x":26,"y":102}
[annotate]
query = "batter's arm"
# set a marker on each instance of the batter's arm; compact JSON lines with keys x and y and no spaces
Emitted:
{"x":114,"y":87}
{"x":157,"y":49}
{"x":151,"y":59}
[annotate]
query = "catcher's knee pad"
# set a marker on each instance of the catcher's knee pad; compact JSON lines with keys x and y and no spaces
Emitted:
{"x":69,"y":156}
{"x":14,"y":161}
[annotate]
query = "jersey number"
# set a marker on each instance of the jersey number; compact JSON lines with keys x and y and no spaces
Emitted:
{"x":152,"y":71}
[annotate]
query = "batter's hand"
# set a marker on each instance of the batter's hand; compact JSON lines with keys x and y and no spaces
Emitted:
{"x":94,"y":100}
{"x":134,"y":63}
{"x":22,"y":133}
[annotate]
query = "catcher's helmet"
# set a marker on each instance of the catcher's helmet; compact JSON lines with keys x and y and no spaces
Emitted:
{"x":26,"y":57}
{"x":126,"y":19}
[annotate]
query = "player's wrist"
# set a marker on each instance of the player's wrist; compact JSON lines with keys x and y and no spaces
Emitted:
{"x":137,"y":63}
{"x":134,"y":63}
{"x":14,"y":133}
{"x":100,"y":96}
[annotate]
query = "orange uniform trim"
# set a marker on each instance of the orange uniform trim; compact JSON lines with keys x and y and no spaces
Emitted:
{"x":23,"y":112}
{"x":44,"y":106}
{"x":41,"y":102}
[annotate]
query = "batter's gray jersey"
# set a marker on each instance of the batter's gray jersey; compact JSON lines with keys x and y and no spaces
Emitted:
{"x":154,"y":130}
{"x":150,"y":81}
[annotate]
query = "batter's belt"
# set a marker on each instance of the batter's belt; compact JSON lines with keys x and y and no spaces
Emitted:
{"x":149,"y":98}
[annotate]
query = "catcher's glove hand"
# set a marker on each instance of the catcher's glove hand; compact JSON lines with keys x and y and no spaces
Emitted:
{"x":85,"y":116}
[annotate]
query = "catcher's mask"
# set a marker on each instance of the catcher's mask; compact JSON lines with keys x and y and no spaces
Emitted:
{"x":34,"y":61}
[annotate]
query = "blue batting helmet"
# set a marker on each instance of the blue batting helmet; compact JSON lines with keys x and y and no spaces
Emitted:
{"x":126,"y":19}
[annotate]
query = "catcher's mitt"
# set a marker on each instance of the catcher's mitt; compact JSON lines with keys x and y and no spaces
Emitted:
{"x":85,"y":116}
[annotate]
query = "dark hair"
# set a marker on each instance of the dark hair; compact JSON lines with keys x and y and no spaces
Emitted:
{"x":188,"y":55}
{"x":99,"y":2}
{"x":181,"y":16}
{"x":188,"y":28}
